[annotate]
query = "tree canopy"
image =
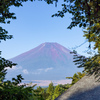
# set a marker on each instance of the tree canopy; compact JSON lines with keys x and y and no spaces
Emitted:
{"x":76,"y":77}
{"x":85,"y":14}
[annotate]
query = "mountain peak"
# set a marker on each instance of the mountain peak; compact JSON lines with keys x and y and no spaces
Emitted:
{"x":52,"y":44}
{"x":46,"y":61}
{"x":49,"y":43}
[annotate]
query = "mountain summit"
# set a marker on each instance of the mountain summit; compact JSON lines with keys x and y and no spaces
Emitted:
{"x":47,"y":61}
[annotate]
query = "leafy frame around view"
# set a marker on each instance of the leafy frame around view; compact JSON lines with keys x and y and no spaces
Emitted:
{"x":85,"y":14}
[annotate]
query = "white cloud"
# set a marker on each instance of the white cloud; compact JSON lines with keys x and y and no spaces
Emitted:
{"x":47,"y":69}
{"x":39,"y":71}
{"x":25,"y":71}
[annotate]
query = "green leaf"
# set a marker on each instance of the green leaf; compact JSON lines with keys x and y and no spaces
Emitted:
{"x":80,"y":25}
{"x":8,"y":22}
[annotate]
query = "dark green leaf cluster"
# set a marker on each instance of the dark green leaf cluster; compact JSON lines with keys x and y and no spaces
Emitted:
{"x":3,"y":64}
{"x":3,"y":34}
{"x":39,"y":94}
{"x":86,"y":14}
{"x":94,"y":36}
{"x":5,"y":15}
{"x":83,"y":12}
{"x":76,"y":77}
{"x":91,"y":65}
{"x":5,"y":9}
{"x":49,"y":93}
{"x":12,"y":91}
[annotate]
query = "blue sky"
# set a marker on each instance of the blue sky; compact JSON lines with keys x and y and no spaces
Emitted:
{"x":34,"y":25}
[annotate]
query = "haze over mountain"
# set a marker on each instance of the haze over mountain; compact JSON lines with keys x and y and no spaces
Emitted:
{"x":48,"y":61}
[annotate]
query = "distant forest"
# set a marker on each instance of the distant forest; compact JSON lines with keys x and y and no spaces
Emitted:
{"x":52,"y":92}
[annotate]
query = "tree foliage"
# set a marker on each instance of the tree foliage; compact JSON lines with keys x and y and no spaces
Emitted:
{"x":76,"y":77}
{"x":39,"y":94}
{"x":91,"y":64}
{"x":85,"y":14}
{"x":44,"y":94}
{"x":92,"y":36}
{"x":57,"y":92}
{"x":10,"y":90}
{"x":50,"y":90}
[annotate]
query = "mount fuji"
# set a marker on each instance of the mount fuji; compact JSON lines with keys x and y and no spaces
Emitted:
{"x":48,"y":61}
